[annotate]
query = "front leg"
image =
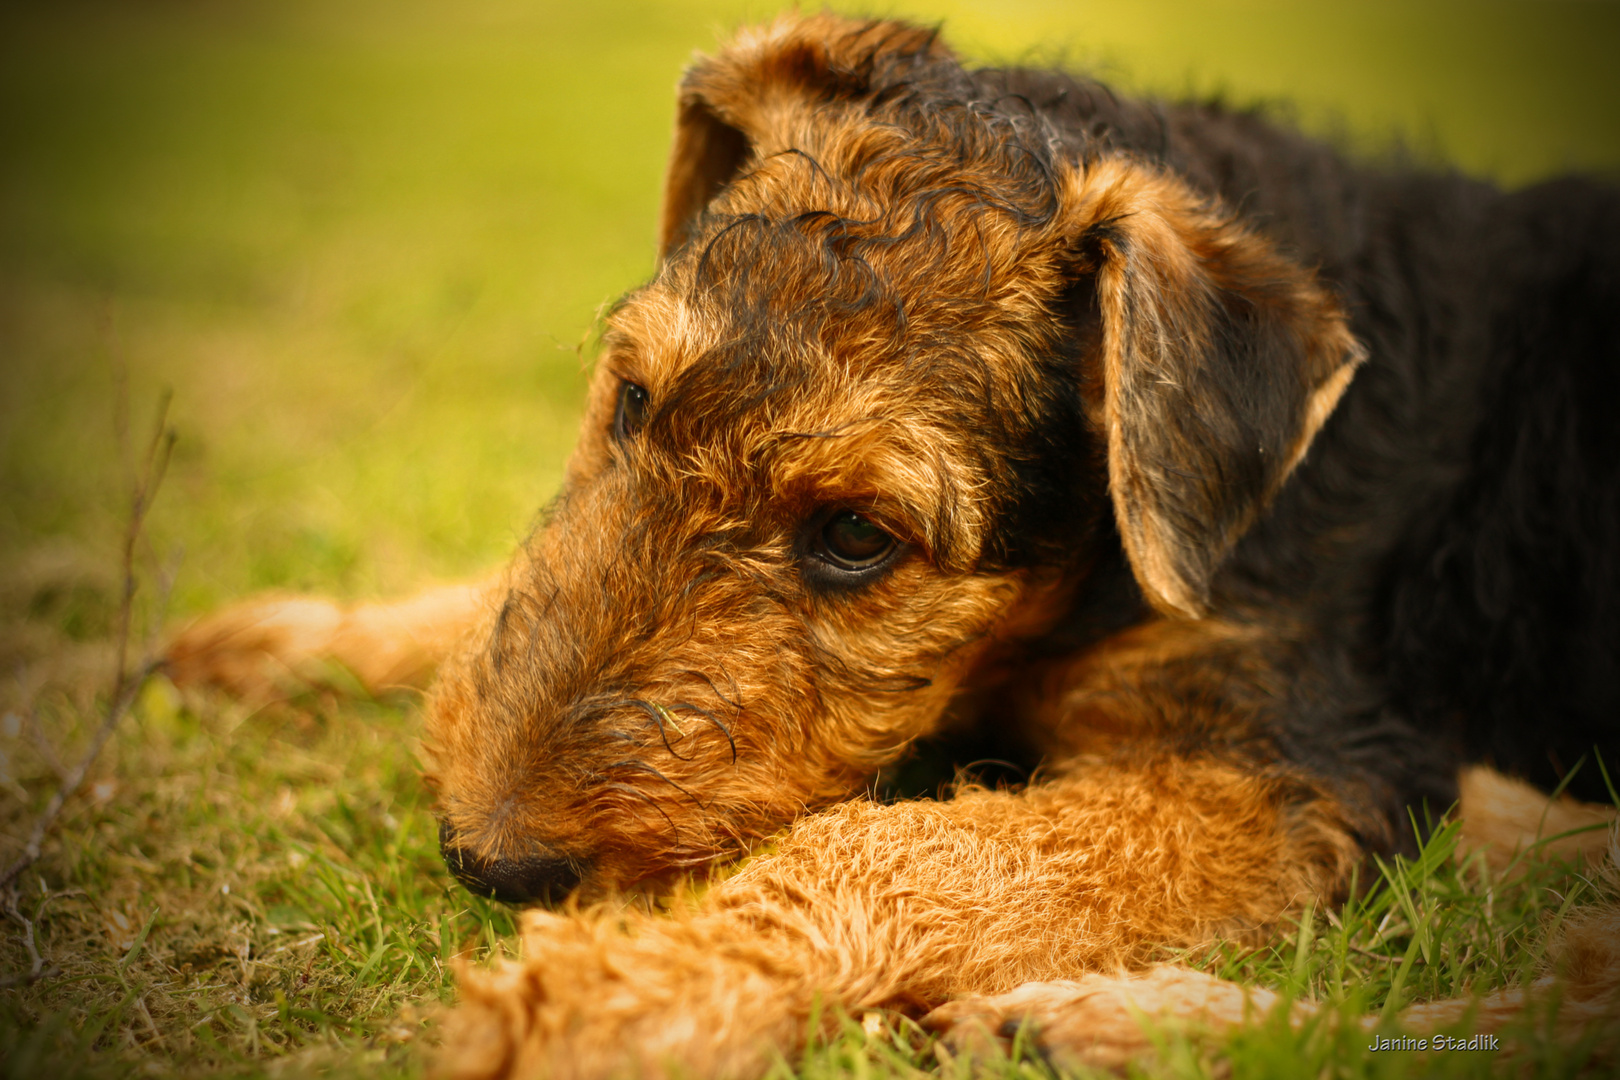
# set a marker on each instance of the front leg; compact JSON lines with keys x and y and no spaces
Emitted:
{"x":904,"y":907}
{"x":270,"y":646}
{"x":1108,"y":1020}
{"x":1267,"y":691}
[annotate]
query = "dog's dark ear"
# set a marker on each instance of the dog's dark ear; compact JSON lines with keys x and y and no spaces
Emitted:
{"x":1217,"y":361}
{"x":751,"y":98}
{"x":708,"y":153}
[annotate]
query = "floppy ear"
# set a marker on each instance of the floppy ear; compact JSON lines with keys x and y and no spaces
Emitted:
{"x":707,"y":155}
{"x":1218,"y":361}
{"x":750,"y":98}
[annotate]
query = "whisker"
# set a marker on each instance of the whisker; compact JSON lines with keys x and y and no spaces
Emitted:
{"x":660,"y":716}
{"x":642,"y":766}
{"x":630,"y":789}
{"x":713,"y":719}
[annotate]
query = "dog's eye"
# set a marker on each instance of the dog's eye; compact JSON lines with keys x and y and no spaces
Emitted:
{"x":632,"y":414}
{"x":851,"y":542}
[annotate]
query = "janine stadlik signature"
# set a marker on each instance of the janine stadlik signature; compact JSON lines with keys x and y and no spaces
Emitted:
{"x":1436,"y":1042}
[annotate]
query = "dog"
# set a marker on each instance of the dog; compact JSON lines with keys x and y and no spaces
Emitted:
{"x":1250,"y":491}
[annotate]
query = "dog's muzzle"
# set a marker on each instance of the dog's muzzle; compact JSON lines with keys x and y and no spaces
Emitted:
{"x":546,"y":878}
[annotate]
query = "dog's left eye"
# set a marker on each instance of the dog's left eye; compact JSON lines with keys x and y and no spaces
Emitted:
{"x":632,"y":413}
{"x":851,"y":542}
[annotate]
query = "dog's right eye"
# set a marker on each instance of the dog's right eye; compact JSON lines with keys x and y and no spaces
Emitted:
{"x":847,"y":550}
{"x":631,"y":416}
{"x":854,"y":542}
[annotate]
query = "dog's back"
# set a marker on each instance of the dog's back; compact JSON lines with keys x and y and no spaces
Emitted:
{"x":1454,"y":533}
{"x":1501,"y":601}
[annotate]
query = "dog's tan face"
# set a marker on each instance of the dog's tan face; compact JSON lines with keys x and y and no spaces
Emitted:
{"x":777,"y":555}
{"x":858,"y":434}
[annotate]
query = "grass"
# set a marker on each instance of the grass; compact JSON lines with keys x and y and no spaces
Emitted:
{"x":253,"y":894}
{"x":361,"y":242}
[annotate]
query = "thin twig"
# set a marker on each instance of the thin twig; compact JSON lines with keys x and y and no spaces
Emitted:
{"x":126,"y":684}
{"x":12,"y":982}
{"x":157,"y":1036}
{"x":156,"y":463}
{"x":130,"y":685}
{"x":36,"y":962}
{"x":37,"y":970}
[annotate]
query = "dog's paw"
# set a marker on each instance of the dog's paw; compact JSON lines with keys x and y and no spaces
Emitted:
{"x":260,"y":650}
{"x":1099,"y":1021}
{"x":276,"y":647}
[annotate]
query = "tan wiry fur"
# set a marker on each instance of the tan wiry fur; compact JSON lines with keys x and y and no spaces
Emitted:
{"x":1507,"y":819}
{"x":988,"y":899}
{"x":894,"y":906}
{"x":274,"y":645}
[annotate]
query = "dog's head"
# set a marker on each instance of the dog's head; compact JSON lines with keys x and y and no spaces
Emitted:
{"x":901,"y":372}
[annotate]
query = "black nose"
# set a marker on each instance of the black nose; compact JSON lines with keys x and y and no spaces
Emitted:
{"x":546,"y":877}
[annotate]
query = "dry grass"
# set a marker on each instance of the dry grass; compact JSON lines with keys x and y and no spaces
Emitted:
{"x":237,"y":890}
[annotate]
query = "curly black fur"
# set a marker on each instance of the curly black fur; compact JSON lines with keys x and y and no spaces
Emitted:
{"x":1451,"y":544}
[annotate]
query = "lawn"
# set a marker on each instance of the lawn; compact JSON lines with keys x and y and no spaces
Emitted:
{"x":362,"y":244}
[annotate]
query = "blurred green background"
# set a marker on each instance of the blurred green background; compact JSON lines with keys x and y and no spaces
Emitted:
{"x":362,"y":241}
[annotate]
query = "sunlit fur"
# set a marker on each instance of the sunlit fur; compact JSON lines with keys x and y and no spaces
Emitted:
{"x":991,"y":901}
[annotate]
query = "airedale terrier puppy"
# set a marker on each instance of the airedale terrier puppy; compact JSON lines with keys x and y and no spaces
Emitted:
{"x":1251,"y":491}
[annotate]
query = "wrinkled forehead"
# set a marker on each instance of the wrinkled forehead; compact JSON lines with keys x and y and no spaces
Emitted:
{"x":874,"y":263}
{"x":771,"y":381}
{"x":860,"y":314}
{"x":774,"y":325}
{"x":781,"y":395}
{"x":761,"y":321}
{"x":947,"y":213}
